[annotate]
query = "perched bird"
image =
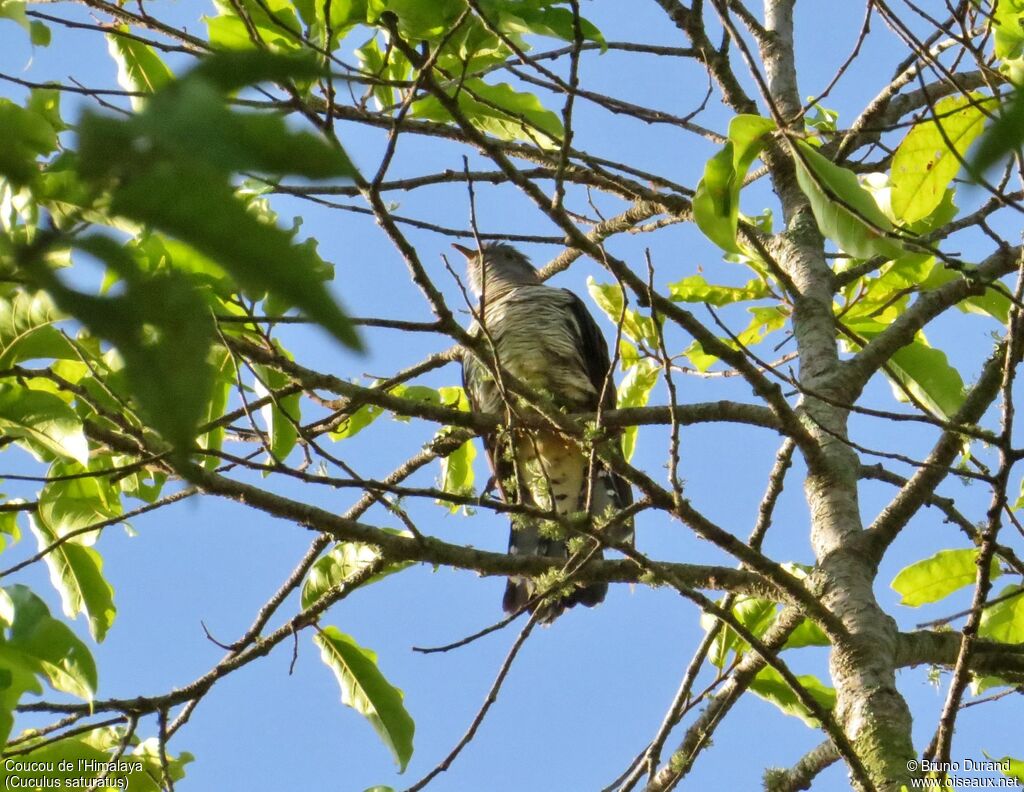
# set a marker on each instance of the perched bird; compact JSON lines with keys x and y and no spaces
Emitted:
{"x":545,"y":337}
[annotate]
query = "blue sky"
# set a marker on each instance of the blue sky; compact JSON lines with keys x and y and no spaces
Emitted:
{"x":588,"y":693}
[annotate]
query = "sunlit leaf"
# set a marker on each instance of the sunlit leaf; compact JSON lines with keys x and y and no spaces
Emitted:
{"x":769,"y":685}
{"x":638,"y":327}
{"x":457,"y":474}
{"x":499,"y":109}
{"x":1004,"y":621}
{"x":338,"y":565}
{"x":43,"y":420}
{"x":846,"y":212}
{"x":364,"y":688}
{"x":635,"y":391}
{"x":47,"y":646}
{"x":139,"y":68}
{"x":67,"y":504}
{"x":27,"y":330}
{"x":938,"y":576}
{"x":77,"y":574}
{"x":716,"y":203}
{"x":925,"y":164}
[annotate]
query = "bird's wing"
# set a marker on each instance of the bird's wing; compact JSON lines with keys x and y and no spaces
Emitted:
{"x":476,"y":377}
{"x":594,"y":353}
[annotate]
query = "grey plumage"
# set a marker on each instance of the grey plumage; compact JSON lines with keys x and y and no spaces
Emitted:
{"x":545,"y":337}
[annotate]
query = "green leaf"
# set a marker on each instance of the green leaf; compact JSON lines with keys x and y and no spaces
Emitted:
{"x":353,"y":424}
{"x":417,"y":20}
{"x":26,"y":136}
{"x":924,"y":164}
{"x":638,"y":327}
{"x":1002,"y":138}
{"x":1008,"y":32}
{"x":457,"y":474}
{"x":923,"y":370}
{"x":162,"y":329}
{"x":77,"y":574}
{"x":200,"y":208}
{"x":343,"y":561}
{"x":365,"y":689}
{"x":43,"y":420}
{"x":282,"y":414}
{"x":716,"y":203}
{"x":48,"y":646}
{"x":500,"y":110}
{"x":66,"y":504}
{"x":754,"y":613}
{"x":845,"y":212}
{"x":542,"y":20}
{"x":807,"y":633}
{"x":27,"y":329}
{"x":696,"y":289}
{"x":139,"y":68}
{"x":635,"y":391}
{"x":39,"y":33}
{"x":14,"y":10}
{"x":1004,"y":621}
{"x":938,"y":576}
{"x":769,"y":685}
{"x":1015,"y":768}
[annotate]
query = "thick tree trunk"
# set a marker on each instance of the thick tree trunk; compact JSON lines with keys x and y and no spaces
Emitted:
{"x":869,"y":708}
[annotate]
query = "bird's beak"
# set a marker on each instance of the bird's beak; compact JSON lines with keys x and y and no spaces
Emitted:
{"x":465,"y":251}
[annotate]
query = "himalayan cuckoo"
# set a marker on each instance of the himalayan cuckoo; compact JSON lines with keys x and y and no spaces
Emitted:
{"x":544,"y":337}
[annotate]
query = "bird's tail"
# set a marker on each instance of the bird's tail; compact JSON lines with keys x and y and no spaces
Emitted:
{"x":525,"y":540}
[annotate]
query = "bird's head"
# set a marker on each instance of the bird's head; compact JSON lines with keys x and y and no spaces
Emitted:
{"x":500,"y":266}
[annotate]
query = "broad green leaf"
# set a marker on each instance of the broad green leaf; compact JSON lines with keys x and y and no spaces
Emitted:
{"x":696,"y":289}
{"x":14,"y":10}
{"x":26,"y":136}
{"x":43,"y":420}
{"x":9,"y":525}
{"x":343,"y":561}
{"x":353,"y":424}
{"x":1003,"y":137}
{"x":15,"y":680}
{"x":716,"y":203}
{"x":542,"y":20}
{"x":139,"y":68}
{"x":149,"y":752}
{"x":769,"y":685}
{"x":67,"y":504}
{"x":938,"y":576}
{"x":39,"y":33}
{"x":1015,"y":768}
{"x":923,"y":370}
{"x":162,"y":329}
{"x":417,"y":20}
{"x":1008,"y":32}
{"x":394,"y":68}
{"x":198,"y":207}
{"x":500,"y":110}
{"x":753,"y":613}
{"x":924,"y":164}
{"x":638,"y":327}
{"x":1004,"y":621}
{"x":807,"y":633}
{"x":27,"y":330}
{"x":48,"y":646}
{"x":457,"y":474}
{"x":77,"y":574}
{"x":364,"y":688}
{"x":282,"y":414}
{"x":635,"y":391}
{"x":846,"y":212}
